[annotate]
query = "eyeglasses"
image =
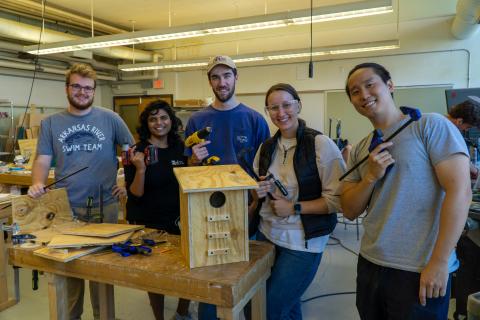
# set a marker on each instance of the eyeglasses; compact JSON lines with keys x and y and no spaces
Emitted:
{"x":76,"y":88}
{"x":286,"y":106}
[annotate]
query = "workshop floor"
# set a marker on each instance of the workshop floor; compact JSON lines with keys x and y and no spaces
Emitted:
{"x":335,"y":275}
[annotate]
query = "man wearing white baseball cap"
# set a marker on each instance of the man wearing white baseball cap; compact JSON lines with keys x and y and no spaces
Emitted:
{"x":235,"y":126}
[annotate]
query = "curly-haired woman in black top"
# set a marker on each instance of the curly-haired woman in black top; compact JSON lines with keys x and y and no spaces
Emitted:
{"x":153,"y":198}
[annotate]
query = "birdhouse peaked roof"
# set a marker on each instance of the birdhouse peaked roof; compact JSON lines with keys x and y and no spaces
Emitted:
{"x":212,"y":178}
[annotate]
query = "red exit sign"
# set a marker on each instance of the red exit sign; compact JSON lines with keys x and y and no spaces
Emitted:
{"x":158,"y":84}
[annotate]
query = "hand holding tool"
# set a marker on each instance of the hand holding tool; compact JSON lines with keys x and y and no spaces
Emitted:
{"x":414,"y":114}
{"x":248,"y":167}
{"x":199,"y":137}
{"x":151,"y":154}
{"x":278,"y":183}
{"x":67,"y":176}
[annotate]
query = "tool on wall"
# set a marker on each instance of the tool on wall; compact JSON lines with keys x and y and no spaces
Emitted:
{"x":341,"y":143}
{"x":199,"y":137}
{"x":414,"y":114}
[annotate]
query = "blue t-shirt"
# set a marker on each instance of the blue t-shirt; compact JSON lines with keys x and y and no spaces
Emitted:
{"x":78,"y":141}
{"x":232,"y":131}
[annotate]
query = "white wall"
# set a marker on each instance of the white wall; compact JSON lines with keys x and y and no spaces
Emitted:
{"x":313,"y":109}
{"x":45,"y":93}
{"x":48,"y":95}
{"x":429,"y":55}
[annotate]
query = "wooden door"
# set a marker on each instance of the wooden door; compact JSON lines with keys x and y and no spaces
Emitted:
{"x":129,"y":108}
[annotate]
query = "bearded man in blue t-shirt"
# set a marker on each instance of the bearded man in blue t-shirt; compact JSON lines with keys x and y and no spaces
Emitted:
{"x":235,"y":127}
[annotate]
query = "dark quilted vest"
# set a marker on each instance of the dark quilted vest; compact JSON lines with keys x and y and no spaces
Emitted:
{"x":310,"y":186}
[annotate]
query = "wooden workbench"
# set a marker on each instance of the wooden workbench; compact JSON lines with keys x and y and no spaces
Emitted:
{"x":5,"y":301}
{"x":229,"y":286}
{"x":21,"y":179}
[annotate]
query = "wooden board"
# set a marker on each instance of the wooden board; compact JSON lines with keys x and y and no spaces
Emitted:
{"x":70,"y":241}
{"x":65,"y":255}
{"x":45,"y":236}
{"x":105,"y":230}
{"x":49,"y":210}
{"x":208,"y":178}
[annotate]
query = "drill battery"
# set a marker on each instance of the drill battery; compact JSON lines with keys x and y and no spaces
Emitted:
{"x":150,"y":151}
{"x":151,"y":155}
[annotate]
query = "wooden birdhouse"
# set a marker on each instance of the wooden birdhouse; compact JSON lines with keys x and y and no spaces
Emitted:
{"x":214,"y":214}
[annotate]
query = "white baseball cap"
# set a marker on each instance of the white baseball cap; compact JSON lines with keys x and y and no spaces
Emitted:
{"x":225,"y":60}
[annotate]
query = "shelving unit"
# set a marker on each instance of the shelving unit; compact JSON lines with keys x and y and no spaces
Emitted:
{"x":11,"y":133}
{"x":184,"y":112}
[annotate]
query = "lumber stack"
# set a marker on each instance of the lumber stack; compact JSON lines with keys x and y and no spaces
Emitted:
{"x":50,"y":220}
{"x":76,"y":241}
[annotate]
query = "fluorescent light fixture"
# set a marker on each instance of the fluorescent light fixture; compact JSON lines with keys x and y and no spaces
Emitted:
{"x":344,"y":15}
{"x":320,"y":14}
{"x":170,"y":65}
{"x":159,"y":66}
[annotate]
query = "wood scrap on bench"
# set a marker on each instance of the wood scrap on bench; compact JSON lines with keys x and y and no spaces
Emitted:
{"x":72,"y":241}
{"x":46,"y":211}
{"x":65,"y":255}
{"x":102,"y":229}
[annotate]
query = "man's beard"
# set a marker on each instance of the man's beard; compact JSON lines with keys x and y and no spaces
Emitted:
{"x":79,"y":106}
{"x":229,"y":95}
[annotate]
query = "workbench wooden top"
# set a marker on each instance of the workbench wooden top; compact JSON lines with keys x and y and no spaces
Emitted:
{"x":18,"y":178}
{"x":163,"y":272}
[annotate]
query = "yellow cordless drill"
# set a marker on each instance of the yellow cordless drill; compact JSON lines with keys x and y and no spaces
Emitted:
{"x":199,"y":137}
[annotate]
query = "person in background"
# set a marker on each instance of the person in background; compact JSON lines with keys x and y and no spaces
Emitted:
{"x":464,"y":116}
{"x":308,"y":164}
{"x":82,"y":135}
{"x":153,"y":191}
{"x":235,"y":128}
{"x":416,"y":209}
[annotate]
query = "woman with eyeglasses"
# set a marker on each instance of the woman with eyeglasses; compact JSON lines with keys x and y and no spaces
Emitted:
{"x":308,"y":164}
{"x":153,"y":192}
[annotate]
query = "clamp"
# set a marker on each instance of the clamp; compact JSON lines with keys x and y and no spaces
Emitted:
{"x":14,"y":228}
{"x":22,"y":238}
{"x":128,"y":248}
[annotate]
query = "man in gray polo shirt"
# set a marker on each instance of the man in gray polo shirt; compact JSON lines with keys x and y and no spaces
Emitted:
{"x":81,"y":136}
{"x":416,"y":192}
